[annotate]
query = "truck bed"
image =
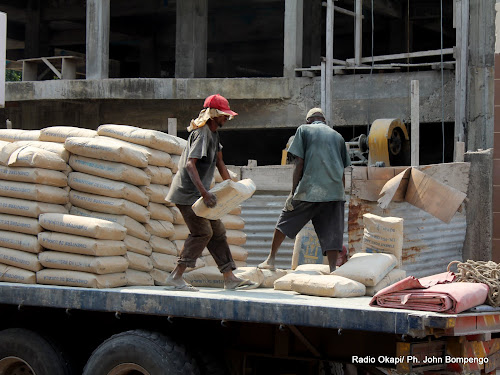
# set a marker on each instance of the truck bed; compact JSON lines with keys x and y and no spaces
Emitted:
{"x":267,"y":306}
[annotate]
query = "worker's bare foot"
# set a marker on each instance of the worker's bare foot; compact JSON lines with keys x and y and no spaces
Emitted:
{"x":180,"y":284}
{"x":268,"y":264}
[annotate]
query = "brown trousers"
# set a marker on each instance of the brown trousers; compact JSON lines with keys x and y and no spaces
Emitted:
{"x":205,"y":233}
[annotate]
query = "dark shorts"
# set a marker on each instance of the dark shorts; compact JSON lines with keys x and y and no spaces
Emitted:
{"x":327,"y":219}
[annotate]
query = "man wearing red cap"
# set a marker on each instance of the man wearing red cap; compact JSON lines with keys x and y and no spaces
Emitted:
{"x":197,"y":164}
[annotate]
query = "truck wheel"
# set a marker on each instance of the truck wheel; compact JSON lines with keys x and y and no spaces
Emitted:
{"x":140,"y":353}
{"x":28,"y":353}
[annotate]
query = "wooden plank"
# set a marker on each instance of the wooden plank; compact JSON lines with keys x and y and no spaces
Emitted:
{"x":369,"y":190}
{"x":415,"y":122}
{"x":30,"y":71}
{"x":455,"y":175}
{"x":398,"y":56}
{"x":376,"y":173}
{"x":359,"y":173}
{"x":68,"y":69}
{"x":358,"y":33}
{"x":52,"y":67}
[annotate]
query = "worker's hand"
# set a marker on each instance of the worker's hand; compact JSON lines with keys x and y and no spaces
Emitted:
{"x":210,"y":200}
{"x":288,"y":203}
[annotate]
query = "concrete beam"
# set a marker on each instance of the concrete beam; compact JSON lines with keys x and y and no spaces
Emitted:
{"x":98,"y":25}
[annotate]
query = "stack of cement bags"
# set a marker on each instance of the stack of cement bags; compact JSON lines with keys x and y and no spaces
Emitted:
{"x":32,"y":182}
{"x":13,"y":135}
{"x":82,"y":252}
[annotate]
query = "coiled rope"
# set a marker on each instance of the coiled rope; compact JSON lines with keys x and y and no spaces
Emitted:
{"x":480,"y":272}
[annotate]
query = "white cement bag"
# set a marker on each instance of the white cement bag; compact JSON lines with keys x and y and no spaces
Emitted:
{"x":156,"y":193}
{"x":160,"y":228}
{"x":20,"y":241}
{"x":137,"y":245}
{"x":20,"y":259}
{"x":60,"y":133}
{"x":13,"y":135}
{"x":36,"y":192}
{"x":6,"y":149}
{"x":251,"y":273}
{"x":19,"y":224}
{"x":82,"y":226}
{"x":238,"y":253}
{"x":328,"y":286}
{"x":35,"y":176}
{"x":117,"y":206}
{"x":69,"y":243}
{"x":107,"y":150}
{"x":134,"y":228}
{"x":232,"y":222}
{"x":80,"y":279}
{"x":22,"y":207}
{"x":383,"y":235}
{"x":139,"y":262}
{"x":394,"y":276}
{"x":102,"y":186}
{"x":56,"y":148}
{"x":83,"y":263}
{"x":11,"y":274}
{"x":181,"y":232}
{"x":367,"y":268}
{"x":209,"y":277}
{"x":236,"y":237}
{"x":164,"y":262}
{"x":109,"y":169}
{"x":175,"y":162}
{"x":155,"y":157}
{"x":33,"y":157}
{"x":306,"y":247}
{"x":178,"y":218}
{"x":270,"y":276}
{"x":162,"y":245}
{"x":159,"y":276}
{"x":139,"y":278}
{"x":160,"y":212}
{"x":146,"y":137}
{"x":229,"y":195}
{"x":323,"y":269}
{"x":236,"y":211}
{"x":159,"y":175}
{"x":285,"y":282}
{"x":218,"y":178}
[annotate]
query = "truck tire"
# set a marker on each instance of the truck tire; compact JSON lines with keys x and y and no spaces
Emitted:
{"x":26,"y":352}
{"x":140,"y":352}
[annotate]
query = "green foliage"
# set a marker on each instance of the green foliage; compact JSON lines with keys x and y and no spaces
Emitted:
{"x":12,"y":75}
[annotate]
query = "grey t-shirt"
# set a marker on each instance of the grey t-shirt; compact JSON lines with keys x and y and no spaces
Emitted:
{"x":325,"y":157}
{"x":202,"y":144}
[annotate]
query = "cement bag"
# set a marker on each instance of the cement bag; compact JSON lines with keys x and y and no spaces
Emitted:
{"x":162,"y":245}
{"x":251,"y":273}
{"x":19,"y":224}
{"x":137,"y":245}
{"x":395,"y":275}
{"x":69,"y":243}
{"x":109,"y":188}
{"x":236,"y":211}
{"x":181,"y":232}
{"x":209,"y":277}
{"x":34,"y":176}
{"x":160,"y":277}
{"x":160,"y":228}
{"x":80,"y":279}
{"x":178,"y":218}
{"x":232,"y":222}
{"x":82,"y":226}
{"x":328,"y":286}
{"x":229,"y":195}
{"x":12,"y":135}
{"x":84,"y":263}
{"x":33,"y":157}
{"x":146,"y":137}
{"x":139,"y":262}
{"x":39,"y":193}
{"x":235,"y":237}
{"x":60,"y":133}
{"x":175,"y":162}
{"x":285,"y":282}
{"x":11,"y":274}
{"x":383,"y":235}
{"x":6,"y":149}
{"x":156,"y":193}
{"x":134,"y":228}
{"x":306,"y":248}
{"x":240,"y":264}
{"x":117,"y":206}
{"x":155,"y":157}
{"x":270,"y":276}
{"x":109,"y":169}
{"x":19,"y":241}
{"x":22,"y":207}
{"x":110,"y":151}
{"x":209,"y":261}
{"x":323,"y":269}
{"x":238,"y":253}
{"x":139,"y":278}
{"x":164,"y":262}
{"x":20,"y":259}
{"x":367,"y":268}
{"x":160,"y":212}
{"x":159,"y":175}
{"x":56,"y":148}
{"x":218,"y":178}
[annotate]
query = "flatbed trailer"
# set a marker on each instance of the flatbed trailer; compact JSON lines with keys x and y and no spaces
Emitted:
{"x":157,"y":330}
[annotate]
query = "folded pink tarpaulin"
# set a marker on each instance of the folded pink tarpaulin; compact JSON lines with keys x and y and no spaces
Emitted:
{"x":434,"y":293}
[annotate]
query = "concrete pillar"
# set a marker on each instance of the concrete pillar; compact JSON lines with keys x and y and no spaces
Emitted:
{"x":191,"y":39}
{"x":312,"y":34}
{"x":292,"y":56}
{"x":98,"y":19}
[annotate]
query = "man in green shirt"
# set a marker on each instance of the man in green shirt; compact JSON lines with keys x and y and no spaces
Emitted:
{"x":317,"y":189}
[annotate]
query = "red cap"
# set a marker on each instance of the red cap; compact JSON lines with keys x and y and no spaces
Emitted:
{"x":218,"y":102}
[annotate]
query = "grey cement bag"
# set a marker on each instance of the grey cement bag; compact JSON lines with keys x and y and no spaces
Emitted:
{"x":139,"y":278}
{"x":80,"y":279}
{"x":60,"y":133}
{"x":109,"y":169}
{"x":69,"y":243}
{"x":84,"y":263}
{"x":20,"y":241}
{"x":22,"y":207}
{"x":163,"y":245}
{"x":138,"y":262}
{"x":34,"y":175}
{"x":36,"y":192}
{"x":12,"y":274}
{"x":20,"y":259}
{"x":137,"y":245}
{"x":21,"y":224}
{"x":159,"y":175}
